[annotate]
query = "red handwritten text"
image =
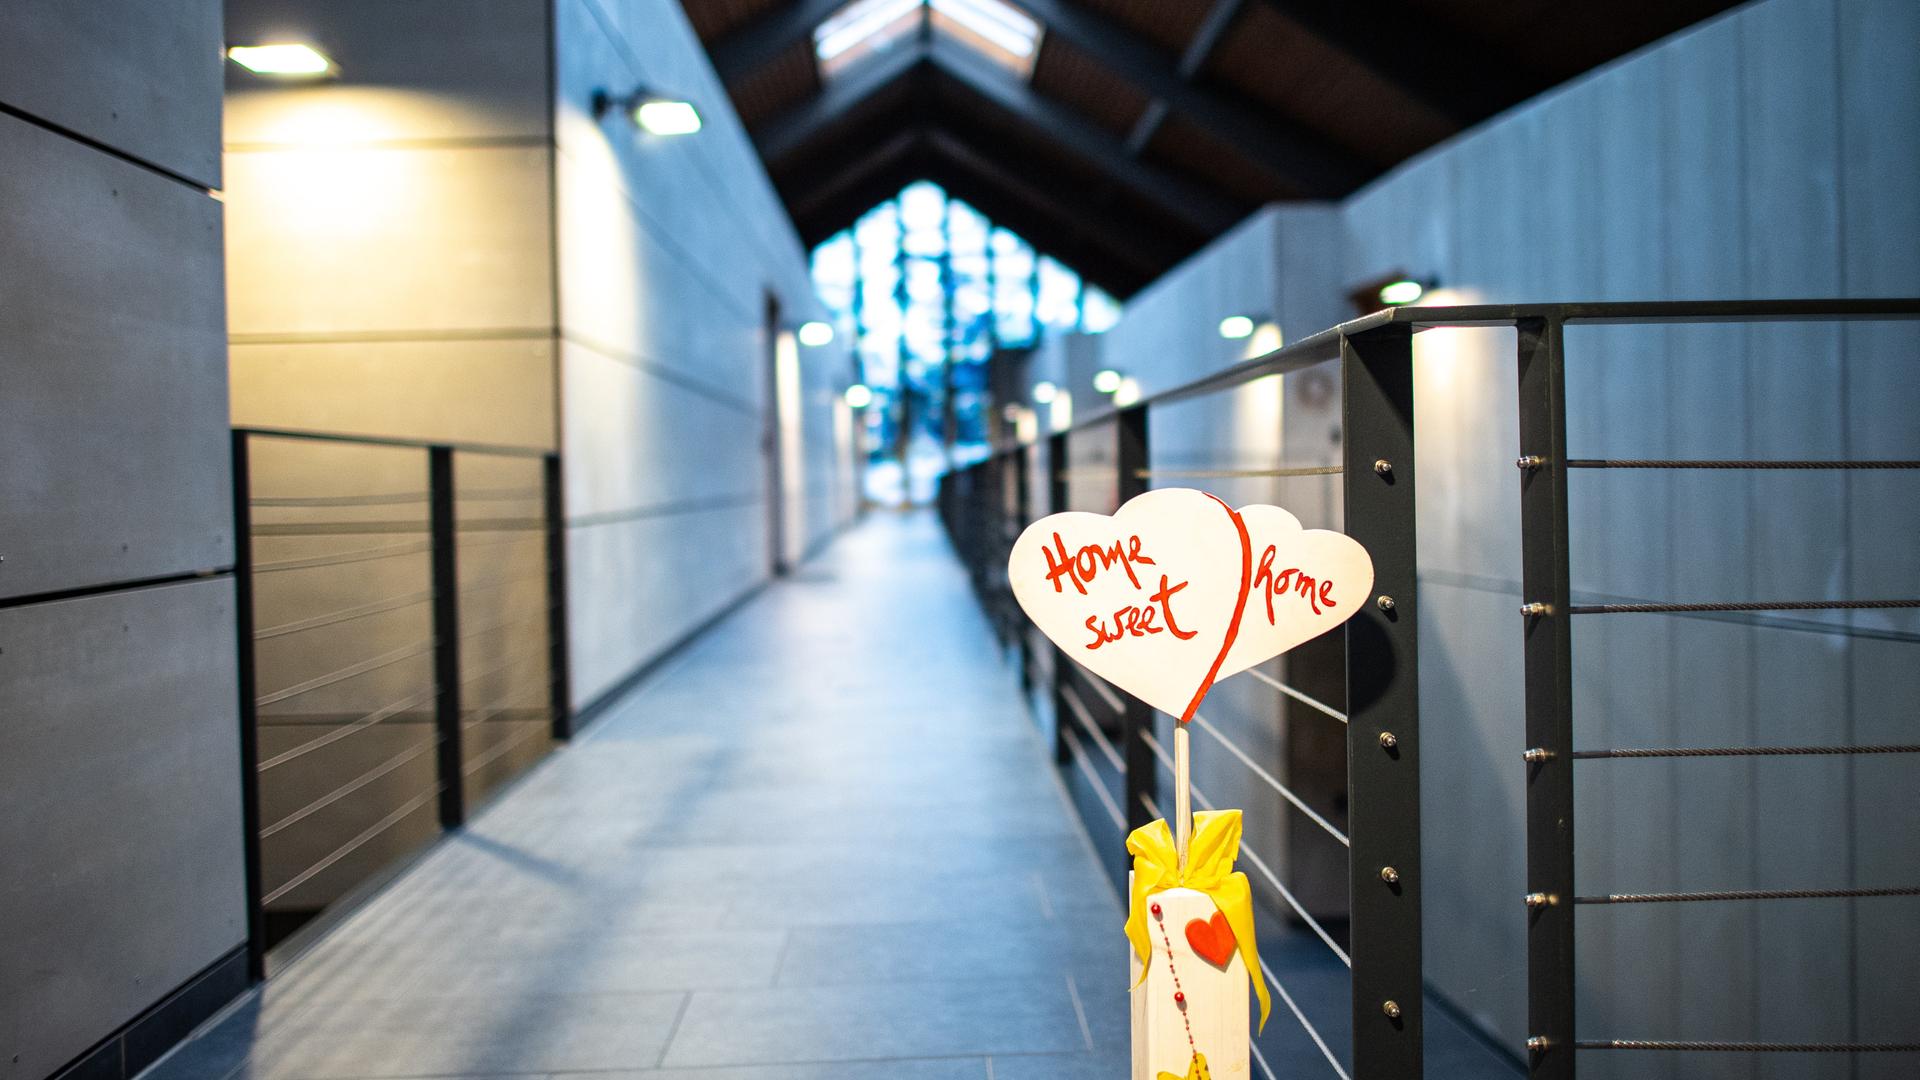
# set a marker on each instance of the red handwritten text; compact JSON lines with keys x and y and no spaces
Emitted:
{"x":1139,"y":621}
{"x":1318,"y":593}
{"x":1081,"y":567}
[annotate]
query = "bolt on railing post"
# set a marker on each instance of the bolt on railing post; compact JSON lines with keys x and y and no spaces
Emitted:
{"x":559,"y":674}
{"x":1130,"y":462}
{"x":1383,"y":710}
{"x":446,"y":636}
{"x":1548,"y":660}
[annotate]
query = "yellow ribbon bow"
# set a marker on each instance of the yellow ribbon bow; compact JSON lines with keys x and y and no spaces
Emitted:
{"x":1209,"y":869}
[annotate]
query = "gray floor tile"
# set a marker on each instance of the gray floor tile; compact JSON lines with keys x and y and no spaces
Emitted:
{"x":876,"y":1020}
{"x":823,"y":842}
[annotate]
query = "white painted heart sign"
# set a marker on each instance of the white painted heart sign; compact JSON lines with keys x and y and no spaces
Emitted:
{"x":1177,"y":590}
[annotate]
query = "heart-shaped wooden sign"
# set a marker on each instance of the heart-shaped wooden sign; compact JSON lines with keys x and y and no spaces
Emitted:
{"x":1178,"y":589}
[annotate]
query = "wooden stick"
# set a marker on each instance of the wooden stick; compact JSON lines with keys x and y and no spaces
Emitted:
{"x":1182,"y":795}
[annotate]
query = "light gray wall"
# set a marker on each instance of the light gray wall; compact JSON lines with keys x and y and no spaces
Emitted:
{"x":668,"y":249}
{"x":1772,"y":152}
{"x":119,"y":782}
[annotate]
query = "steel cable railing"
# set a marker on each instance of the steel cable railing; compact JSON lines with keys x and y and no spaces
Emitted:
{"x":1200,"y":799}
{"x":341,"y":615}
{"x":1285,"y":792}
{"x":1102,"y":461}
{"x":1304,"y":699}
{"x":470,"y":528}
{"x":385,"y":551}
{"x":385,"y":712}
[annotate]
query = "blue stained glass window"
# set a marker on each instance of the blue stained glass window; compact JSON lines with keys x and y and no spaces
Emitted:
{"x":928,"y":288}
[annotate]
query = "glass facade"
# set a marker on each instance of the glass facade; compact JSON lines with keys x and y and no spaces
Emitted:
{"x":928,"y":288}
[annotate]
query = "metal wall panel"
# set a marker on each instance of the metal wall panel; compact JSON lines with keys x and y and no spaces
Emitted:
{"x":119,"y":811}
{"x":143,"y":78}
{"x":113,"y":359}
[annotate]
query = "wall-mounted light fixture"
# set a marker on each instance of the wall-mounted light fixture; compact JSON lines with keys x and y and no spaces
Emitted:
{"x":1044,"y":393}
{"x":815,"y":333}
{"x":1107,"y":380}
{"x":1403,"y":291}
{"x":655,"y":113}
{"x":287,"y":60}
{"x":1235,"y":327}
{"x":859,"y":396}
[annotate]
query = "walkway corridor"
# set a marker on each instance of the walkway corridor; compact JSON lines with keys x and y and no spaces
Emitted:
{"x":823,"y":842}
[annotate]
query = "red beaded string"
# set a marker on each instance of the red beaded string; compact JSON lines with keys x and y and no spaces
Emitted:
{"x":1179,"y":995}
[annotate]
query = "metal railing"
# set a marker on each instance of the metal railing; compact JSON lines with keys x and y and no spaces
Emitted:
{"x":1109,"y":740}
{"x":401,"y":612}
{"x":1106,"y":741}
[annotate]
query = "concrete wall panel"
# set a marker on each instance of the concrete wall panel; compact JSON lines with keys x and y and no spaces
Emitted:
{"x":498,"y":391}
{"x":143,"y":78}
{"x":388,"y":241}
{"x":112,"y":421}
{"x":119,"y":811}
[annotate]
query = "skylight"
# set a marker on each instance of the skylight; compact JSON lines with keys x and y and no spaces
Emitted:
{"x":994,"y":29}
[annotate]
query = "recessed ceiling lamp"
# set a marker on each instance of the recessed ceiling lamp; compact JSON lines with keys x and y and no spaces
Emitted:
{"x":815,"y":334}
{"x":289,"y":60}
{"x":1107,"y":380}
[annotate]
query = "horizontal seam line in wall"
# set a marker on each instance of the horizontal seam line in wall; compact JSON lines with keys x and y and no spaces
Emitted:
{"x":654,"y":367}
{"x":106,"y":148}
{"x":688,"y":506}
{"x":84,"y":591}
{"x":1482,"y":583}
{"x":471,"y":142}
{"x":372,"y":337}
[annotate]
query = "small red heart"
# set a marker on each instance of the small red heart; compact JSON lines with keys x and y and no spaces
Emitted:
{"x":1212,"y":939}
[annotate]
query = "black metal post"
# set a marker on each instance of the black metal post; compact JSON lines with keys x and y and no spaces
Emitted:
{"x":1056,"y":502}
{"x":559,"y":672}
{"x":1549,"y":696}
{"x":446,"y":637}
{"x":1383,"y":703}
{"x":1022,"y":514}
{"x":1136,"y":721}
{"x":247,"y":679}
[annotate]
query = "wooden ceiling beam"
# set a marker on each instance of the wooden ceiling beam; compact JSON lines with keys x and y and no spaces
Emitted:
{"x":762,"y":40}
{"x":1193,"y":59}
{"x":1288,"y":150}
{"x":779,"y":136}
{"x":1462,"y":79}
{"x":1201,"y":208}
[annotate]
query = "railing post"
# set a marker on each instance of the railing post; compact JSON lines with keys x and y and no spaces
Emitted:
{"x":248,"y":682}
{"x":1022,"y":514}
{"x":559,"y":672}
{"x":1056,"y":502}
{"x":1141,"y":780}
{"x":1549,"y":697}
{"x":446,"y":636}
{"x":1383,"y":705}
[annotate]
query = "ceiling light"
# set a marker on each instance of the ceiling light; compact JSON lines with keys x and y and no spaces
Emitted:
{"x":1045,"y":392}
{"x":815,"y":334}
{"x":1404,"y":291}
{"x":1107,"y":380}
{"x":858,"y":396}
{"x":654,"y":113}
{"x":290,"y":60}
{"x":1127,"y":392}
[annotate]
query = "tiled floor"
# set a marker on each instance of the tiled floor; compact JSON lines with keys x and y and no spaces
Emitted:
{"x":824,"y":842}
